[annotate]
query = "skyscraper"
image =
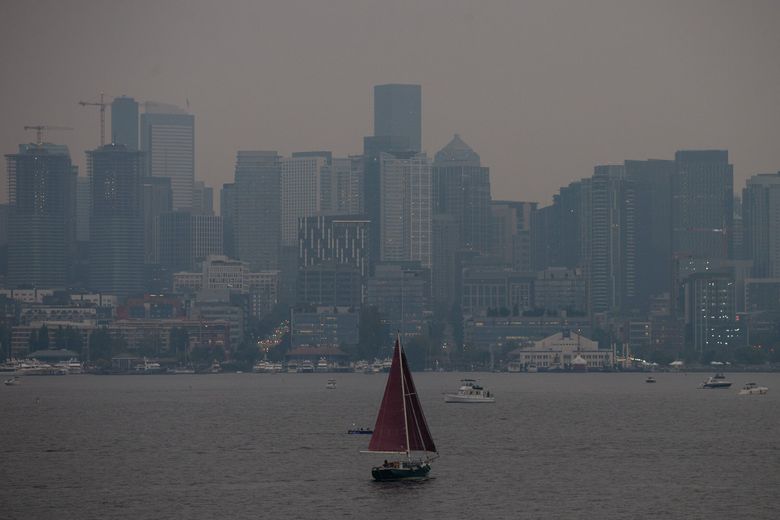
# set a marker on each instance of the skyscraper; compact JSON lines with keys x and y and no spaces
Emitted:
{"x":398,"y":112}
{"x":116,"y":220}
{"x":42,"y":223}
{"x":157,"y":200}
{"x":461,"y":187}
{"x":168,"y":138}
{"x":301,"y":192}
{"x":612,"y":259}
{"x":405,"y":208}
{"x":702,"y":204}
{"x":761,"y":219}
{"x":257,"y":224}
{"x":124,"y":122}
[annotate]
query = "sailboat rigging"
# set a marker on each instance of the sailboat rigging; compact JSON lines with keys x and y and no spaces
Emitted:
{"x":401,"y":428}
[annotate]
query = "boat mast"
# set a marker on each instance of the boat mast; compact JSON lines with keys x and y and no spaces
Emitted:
{"x":403,"y":397}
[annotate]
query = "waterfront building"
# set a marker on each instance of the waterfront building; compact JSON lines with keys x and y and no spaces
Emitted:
{"x":398,"y":112}
{"x":257,"y":221}
{"x":168,"y":140}
{"x":124,"y":122}
{"x":563,"y":351}
{"x":496,"y":332}
{"x":42,"y":216}
{"x":116,"y":220}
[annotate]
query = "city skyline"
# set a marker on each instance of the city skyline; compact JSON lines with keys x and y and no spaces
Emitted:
{"x":602,"y":83}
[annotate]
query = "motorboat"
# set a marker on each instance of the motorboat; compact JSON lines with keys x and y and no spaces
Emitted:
{"x":331,"y":384}
{"x":650,"y":379}
{"x":716,"y":381}
{"x":753,"y":389}
{"x":470,"y":392}
{"x":360,"y":431}
{"x":322,"y":365}
{"x":306,"y":367}
{"x":12,"y":381}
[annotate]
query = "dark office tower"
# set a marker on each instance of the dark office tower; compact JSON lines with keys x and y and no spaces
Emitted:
{"x":202,"y":199}
{"x":652,"y":182}
{"x":227,"y":210}
{"x":702,"y":204}
{"x":397,"y":112}
{"x":612,"y":219}
{"x":461,"y":187}
{"x":185,"y":240}
{"x":116,"y":220}
{"x":446,"y":259}
{"x":157,"y":199}
{"x":373,"y":147}
{"x":124,"y":122}
{"x":257,"y":227}
{"x":559,"y":232}
{"x":168,"y":138}
{"x":42,"y":224}
{"x":511,"y":233}
{"x":761,"y":218}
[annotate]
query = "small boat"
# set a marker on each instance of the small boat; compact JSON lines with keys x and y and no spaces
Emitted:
{"x":12,"y":381}
{"x":753,"y":389}
{"x":470,"y":392}
{"x":360,"y":431}
{"x":322,"y":365}
{"x":306,"y":367}
{"x":401,"y":428}
{"x":650,"y":379}
{"x":716,"y":381}
{"x":331,"y":385}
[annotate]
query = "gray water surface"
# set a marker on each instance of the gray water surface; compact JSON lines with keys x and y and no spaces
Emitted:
{"x":606,"y":446}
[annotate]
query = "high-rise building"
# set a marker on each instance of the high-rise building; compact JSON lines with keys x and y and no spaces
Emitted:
{"x":652,"y":187}
{"x":612,"y":261}
{"x":42,"y":223}
{"x":257,"y":224}
{"x":405,"y":208}
{"x":398,"y":112}
{"x":202,"y":199}
{"x":168,"y":138}
{"x":340,"y":240}
{"x":710,"y":311}
{"x":124,"y":122}
{"x":702,"y":204}
{"x":157,"y":199}
{"x":341,"y":186}
{"x":227,"y":209}
{"x":116,"y":220}
{"x":186,"y":239}
{"x":559,"y":232}
{"x":510,"y":237}
{"x":373,"y":147}
{"x":445,"y":259}
{"x":301,"y":192}
{"x":83,"y":208}
{"x":461,"y":187}
{"x":761,"y":220}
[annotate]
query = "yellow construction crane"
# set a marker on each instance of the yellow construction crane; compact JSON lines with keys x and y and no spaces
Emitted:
{"x":40,"y":128}
{"x":102,"y":106}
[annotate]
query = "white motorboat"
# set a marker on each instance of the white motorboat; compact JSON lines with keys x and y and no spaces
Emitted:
{"x":716,"y":381}
{"x":306,"y":367}
{"x":753,"y":389}
{"x":470,"y":392}
{"x":12,"y":381}
{"x":322,"y":365}
{"x":331,"y":385}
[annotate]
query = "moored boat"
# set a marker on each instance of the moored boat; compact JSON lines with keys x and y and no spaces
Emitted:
{"x":400,"y":428}
{"x":753,"y":389}
{"x":650,"y":379}
{"x":470,"y":392}
{"x":716,"y":381}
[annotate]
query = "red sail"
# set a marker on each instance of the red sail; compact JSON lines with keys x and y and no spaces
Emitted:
{"x":390,"y":434}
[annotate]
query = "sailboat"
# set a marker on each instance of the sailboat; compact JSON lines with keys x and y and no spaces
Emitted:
{"x":400,"y":428}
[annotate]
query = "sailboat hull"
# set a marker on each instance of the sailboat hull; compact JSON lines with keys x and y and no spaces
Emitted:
{"x":406,"y":472}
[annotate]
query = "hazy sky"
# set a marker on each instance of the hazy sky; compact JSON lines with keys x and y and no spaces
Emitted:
{"x":542,"y":90}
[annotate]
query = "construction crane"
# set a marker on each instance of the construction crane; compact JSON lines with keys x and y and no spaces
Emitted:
{"x":102,"y":106}
{"x":40,"y":128}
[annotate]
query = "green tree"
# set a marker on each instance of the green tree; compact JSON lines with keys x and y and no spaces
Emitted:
{"x":43,"y":338}
{"x":100,"y":347}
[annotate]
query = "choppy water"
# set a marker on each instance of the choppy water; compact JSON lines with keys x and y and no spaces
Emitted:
{"x":605,"y":446}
